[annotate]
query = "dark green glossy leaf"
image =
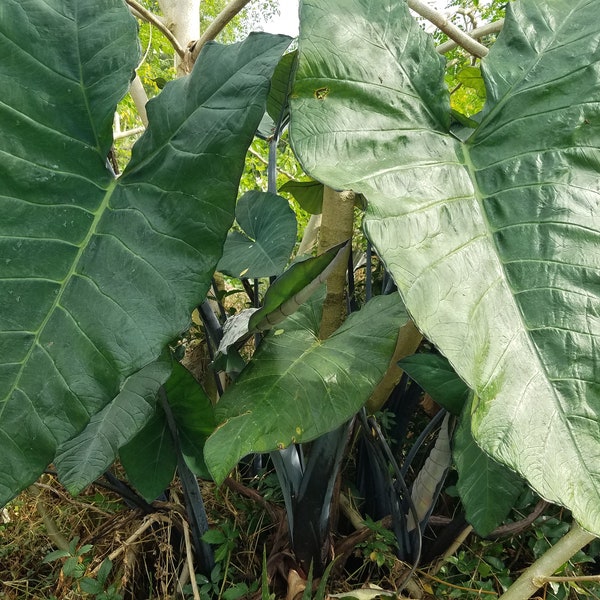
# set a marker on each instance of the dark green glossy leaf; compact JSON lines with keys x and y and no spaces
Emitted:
{"x":493,"y":242}
{"x":297,"y":387}
{"x":150,"y":458}
{"x":194,"y":415}
{"x":488,"y":490}
{"x":98,"y":273}
{"x":308,"y":194}
{"x":84,"y":458}
{"x":436,"y":376}
{"x":264,"y":246}
{"x":277,"y":100}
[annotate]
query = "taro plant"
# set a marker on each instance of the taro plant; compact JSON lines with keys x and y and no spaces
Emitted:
{"x":101,"y":272}
{"x":489,"y":225}
{"x":486,"y":225}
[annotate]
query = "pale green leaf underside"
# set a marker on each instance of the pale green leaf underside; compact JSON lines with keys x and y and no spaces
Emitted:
{"x":493,"y":242}
{"x":98,"y":274}
{"x":297,"y":387}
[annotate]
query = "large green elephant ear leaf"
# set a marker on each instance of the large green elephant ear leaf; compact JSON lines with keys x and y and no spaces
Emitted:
{"x":298,"y":387}
{"x":493,"y":242}
{"x":98,"y":273}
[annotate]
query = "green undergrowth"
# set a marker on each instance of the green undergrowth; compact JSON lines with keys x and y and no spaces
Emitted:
{"x":116,"y":553}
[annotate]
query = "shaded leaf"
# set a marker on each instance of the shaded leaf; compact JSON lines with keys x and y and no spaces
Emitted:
{"x":277,"y":100}
{"x":488,"y":490}
{"x":308,"y":194}
{"x":84,"y":458}
{"x":194,"y":415}
{"x":99,"y":274}
{"x":435,"y":375}
{"x":264,"y":246}
{"x":150,"y":458}
{"x":297,"y":387}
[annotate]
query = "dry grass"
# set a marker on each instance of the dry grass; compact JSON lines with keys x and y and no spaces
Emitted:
{"x":148,"y":551}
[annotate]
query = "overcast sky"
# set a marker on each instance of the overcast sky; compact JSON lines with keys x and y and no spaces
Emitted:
{"x":287,"y":21}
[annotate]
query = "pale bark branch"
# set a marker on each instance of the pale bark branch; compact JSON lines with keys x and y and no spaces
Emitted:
{"x":140,"y":98}
{"x":452,"y":31}
{"x":534,"y":576}
{"x":337,"y":221}
{"x":575,"y":578}
{"x":128,"y":133}
{"x":154,"y":20}
{"x":480,"y":32}
{"x":213,"y":30}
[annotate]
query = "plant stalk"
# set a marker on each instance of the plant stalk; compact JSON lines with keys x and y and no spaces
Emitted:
{"x":336,"y":227}
{"x":536,"y":575}
{"x":409,"y":339}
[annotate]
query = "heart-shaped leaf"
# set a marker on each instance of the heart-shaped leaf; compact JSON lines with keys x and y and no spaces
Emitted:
{"x":99,"y":273}
{"x":298,"y":387}
{"x":264,"y":246}
{"x":493,"y":242}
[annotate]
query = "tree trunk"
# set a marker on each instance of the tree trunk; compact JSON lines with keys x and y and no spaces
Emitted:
{"x":182,"y":17}
{"x":336,"y":227}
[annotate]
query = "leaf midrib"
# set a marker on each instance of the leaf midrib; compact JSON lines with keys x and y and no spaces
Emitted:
{"x":65,"y":284}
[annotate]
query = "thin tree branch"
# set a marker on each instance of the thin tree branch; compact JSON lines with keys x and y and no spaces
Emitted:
{"x":213,"y":30}
{"x":533,"y":577}
{"x":565,"y":579}
{"x":480,"y":32}
{"x":460,"y":37}
{"x":128,"y":133}
{"x":140,"y":98}
{"x":154,"y":20}
{"x":266,"y":162}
